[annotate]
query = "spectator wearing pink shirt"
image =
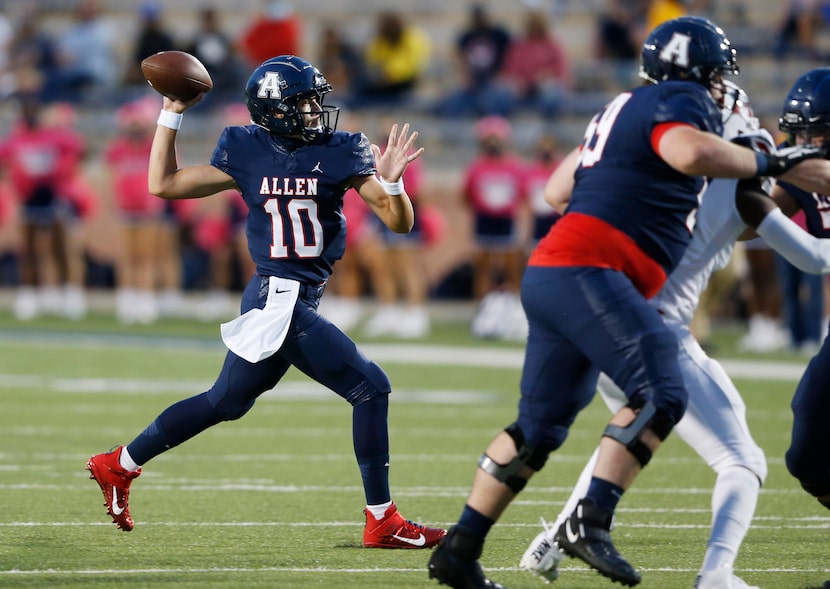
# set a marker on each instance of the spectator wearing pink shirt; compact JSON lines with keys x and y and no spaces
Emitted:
{"x":139,"y":213}
{"x":537,"y":67}
{"x":78,"y":200}
{"x":41,"y":161}
{"x":494,"y":190}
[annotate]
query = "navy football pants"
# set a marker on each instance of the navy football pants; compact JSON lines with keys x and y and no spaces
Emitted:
{"x":316,"y":347}
{"x":807,"y":458}
{"x":583,"y":321}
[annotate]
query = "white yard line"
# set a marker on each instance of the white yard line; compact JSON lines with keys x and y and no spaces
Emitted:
{"x":418,"y":354}
{"x":154,"y":571}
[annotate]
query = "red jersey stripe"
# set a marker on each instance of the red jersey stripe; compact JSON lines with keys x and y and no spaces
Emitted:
{"x":659,"y":130}
{"x":582,"y":240}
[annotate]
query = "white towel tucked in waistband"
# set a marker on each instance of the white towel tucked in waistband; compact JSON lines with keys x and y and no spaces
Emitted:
{"x":259,"y":333}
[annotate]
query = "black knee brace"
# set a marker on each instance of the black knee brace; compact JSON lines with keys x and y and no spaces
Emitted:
{"x":649,"y":417}
{"x":509,"y":473}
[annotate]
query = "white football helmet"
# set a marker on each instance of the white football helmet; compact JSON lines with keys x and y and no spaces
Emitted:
{"x":738,"y":116}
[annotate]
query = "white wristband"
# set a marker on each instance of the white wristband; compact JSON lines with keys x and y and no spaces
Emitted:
{"x":392,"y":188}
{"x":171,"y":120}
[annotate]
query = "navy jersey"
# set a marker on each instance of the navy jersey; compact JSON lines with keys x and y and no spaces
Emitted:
{"x":294,"y":193}
{"x":807,"y":458}
{"x":623,"y":187}
{"x":816,"y":209}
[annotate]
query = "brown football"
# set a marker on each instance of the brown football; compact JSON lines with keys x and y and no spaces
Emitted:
{"x":176,"y":74}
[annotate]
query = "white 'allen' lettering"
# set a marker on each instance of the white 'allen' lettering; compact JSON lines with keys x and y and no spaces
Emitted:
{"x":284,"y":186}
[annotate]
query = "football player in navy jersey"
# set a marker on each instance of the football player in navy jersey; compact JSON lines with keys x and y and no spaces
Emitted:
{"x":292,"y":169}
{"x":635,"y":183}
{"x":806,"y":120}
{"x":714,"y":424}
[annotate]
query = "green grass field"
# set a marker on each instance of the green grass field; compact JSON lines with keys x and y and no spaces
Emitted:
{"x":274,"y":500}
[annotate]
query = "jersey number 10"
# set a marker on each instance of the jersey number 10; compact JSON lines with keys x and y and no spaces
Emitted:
{"x":304,"y":226}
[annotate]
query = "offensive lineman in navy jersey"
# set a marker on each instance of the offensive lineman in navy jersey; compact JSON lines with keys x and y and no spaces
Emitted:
{"x":637,"y":179}
{"x":292,"y":168}
{"x":806,"y":120}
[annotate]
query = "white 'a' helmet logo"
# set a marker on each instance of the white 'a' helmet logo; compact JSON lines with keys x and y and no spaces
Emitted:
{"x":270,"y":86}
{"x":676,"y":50}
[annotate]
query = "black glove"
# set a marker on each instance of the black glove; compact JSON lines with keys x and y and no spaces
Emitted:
{"x":775,"y":164}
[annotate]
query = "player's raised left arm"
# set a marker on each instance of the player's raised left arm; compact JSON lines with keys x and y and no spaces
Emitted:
{"x":386,"y":194}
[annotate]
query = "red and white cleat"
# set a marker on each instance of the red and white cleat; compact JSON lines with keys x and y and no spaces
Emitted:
{"x":115,"y":485}
{"x":393,"y":531}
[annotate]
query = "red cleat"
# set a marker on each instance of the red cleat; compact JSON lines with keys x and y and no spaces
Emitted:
{"x":115,"y":484}
{"x":393,"y":531}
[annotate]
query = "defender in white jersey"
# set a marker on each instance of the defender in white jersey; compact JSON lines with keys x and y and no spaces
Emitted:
{"x":714,"y":424}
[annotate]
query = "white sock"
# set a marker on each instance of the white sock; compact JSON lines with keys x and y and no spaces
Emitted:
{"x":733,"y":505}
{"x":378,"y":511}
{"x":579,"y":491}
{"x":126,"y":461}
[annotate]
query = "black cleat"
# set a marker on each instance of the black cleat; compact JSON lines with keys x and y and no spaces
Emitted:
{"x":586,"y":535}
{"x":454,"y":562}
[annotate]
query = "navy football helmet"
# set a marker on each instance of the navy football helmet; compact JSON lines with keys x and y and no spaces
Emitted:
{"x":277,"y":86}
{"x":689,"y":48}
{"x":807,"y":107}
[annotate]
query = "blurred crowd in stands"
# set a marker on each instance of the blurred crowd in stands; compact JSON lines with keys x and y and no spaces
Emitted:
{"x":65,"y":230}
